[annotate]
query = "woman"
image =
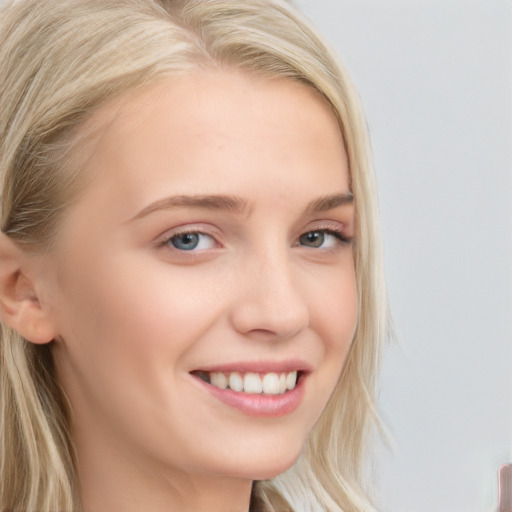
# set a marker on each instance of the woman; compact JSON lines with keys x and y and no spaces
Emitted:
{"x":191,"y":291}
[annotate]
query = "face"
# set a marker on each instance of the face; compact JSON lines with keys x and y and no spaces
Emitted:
{"x":203,"y":285}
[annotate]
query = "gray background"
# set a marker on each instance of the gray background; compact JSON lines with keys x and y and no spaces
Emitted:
{"x":435,"y":79}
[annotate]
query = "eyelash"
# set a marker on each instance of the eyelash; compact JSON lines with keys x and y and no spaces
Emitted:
{"x":336,"y":233}
{"x":167,"y":242}
{"x":332,"y":232}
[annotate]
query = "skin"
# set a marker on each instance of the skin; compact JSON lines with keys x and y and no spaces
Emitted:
{"x":132,"y":315}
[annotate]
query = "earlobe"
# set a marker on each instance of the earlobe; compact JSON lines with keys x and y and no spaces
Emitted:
{"x":20,"y":306}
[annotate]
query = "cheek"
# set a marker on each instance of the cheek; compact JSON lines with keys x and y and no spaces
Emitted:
{"x":120,"y":324}
{"x":334,"y":316}
{"x":334,"y":307}
{"x":127,"y":335}
{"x":126,"y":307}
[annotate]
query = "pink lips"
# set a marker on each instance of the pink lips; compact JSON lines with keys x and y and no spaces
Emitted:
{"x":260,"y":404}
{"x":260,"y":367}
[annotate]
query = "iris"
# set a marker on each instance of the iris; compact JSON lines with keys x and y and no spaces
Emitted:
{"x":313,"y":239}
{"x":185,"y":241}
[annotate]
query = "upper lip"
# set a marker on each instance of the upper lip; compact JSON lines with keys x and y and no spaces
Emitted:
{"x":285,"y":366}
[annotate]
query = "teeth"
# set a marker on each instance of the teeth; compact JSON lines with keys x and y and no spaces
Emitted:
{"x":271,"y":384}
{"x":291,"y":380}
{"x":255,"y":383}
{"x":282,"y":382}
{"x":252,"y":383}
{"x":236,"y":382}
{"x":219,"y":380}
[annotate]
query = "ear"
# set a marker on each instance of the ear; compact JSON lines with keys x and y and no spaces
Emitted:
{"x":20,"y":306}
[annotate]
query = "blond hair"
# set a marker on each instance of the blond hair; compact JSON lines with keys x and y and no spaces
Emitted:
{"x":61,"y":60}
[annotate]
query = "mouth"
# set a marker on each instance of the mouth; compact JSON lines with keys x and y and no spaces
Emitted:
{"x":262,"y":389}
{"x":272,"y":383}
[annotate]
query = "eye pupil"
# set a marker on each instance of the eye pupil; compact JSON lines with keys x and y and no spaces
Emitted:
{"x":313,"y":239}
{"x":185,"y":241}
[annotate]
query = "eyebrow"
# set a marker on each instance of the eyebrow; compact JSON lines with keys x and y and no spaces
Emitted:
{"x":206,"y":202}
{"x":235,"y":204}
{"x":330,"y":202}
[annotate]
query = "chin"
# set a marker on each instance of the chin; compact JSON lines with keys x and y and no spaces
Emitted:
{"x":266,"y":469}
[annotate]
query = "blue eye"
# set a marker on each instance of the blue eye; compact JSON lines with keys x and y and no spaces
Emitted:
{"x":321,"y":239}
{"x":191,"y":241}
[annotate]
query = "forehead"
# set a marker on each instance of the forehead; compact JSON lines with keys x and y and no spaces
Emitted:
{"x":206,"y":127}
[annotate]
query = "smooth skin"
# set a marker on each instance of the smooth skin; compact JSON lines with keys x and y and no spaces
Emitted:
{"x":135,"y":306}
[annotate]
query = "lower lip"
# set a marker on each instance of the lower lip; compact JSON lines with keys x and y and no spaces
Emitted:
{"x":260,"y":404}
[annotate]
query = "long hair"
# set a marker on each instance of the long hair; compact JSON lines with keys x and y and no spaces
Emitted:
{"x":60,"y":60}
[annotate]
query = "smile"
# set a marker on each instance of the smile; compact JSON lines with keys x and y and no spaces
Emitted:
{"x":268,"y":389}
{"x":272,"y":383}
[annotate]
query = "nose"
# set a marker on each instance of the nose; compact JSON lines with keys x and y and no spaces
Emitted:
{"x":270,"y":303}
